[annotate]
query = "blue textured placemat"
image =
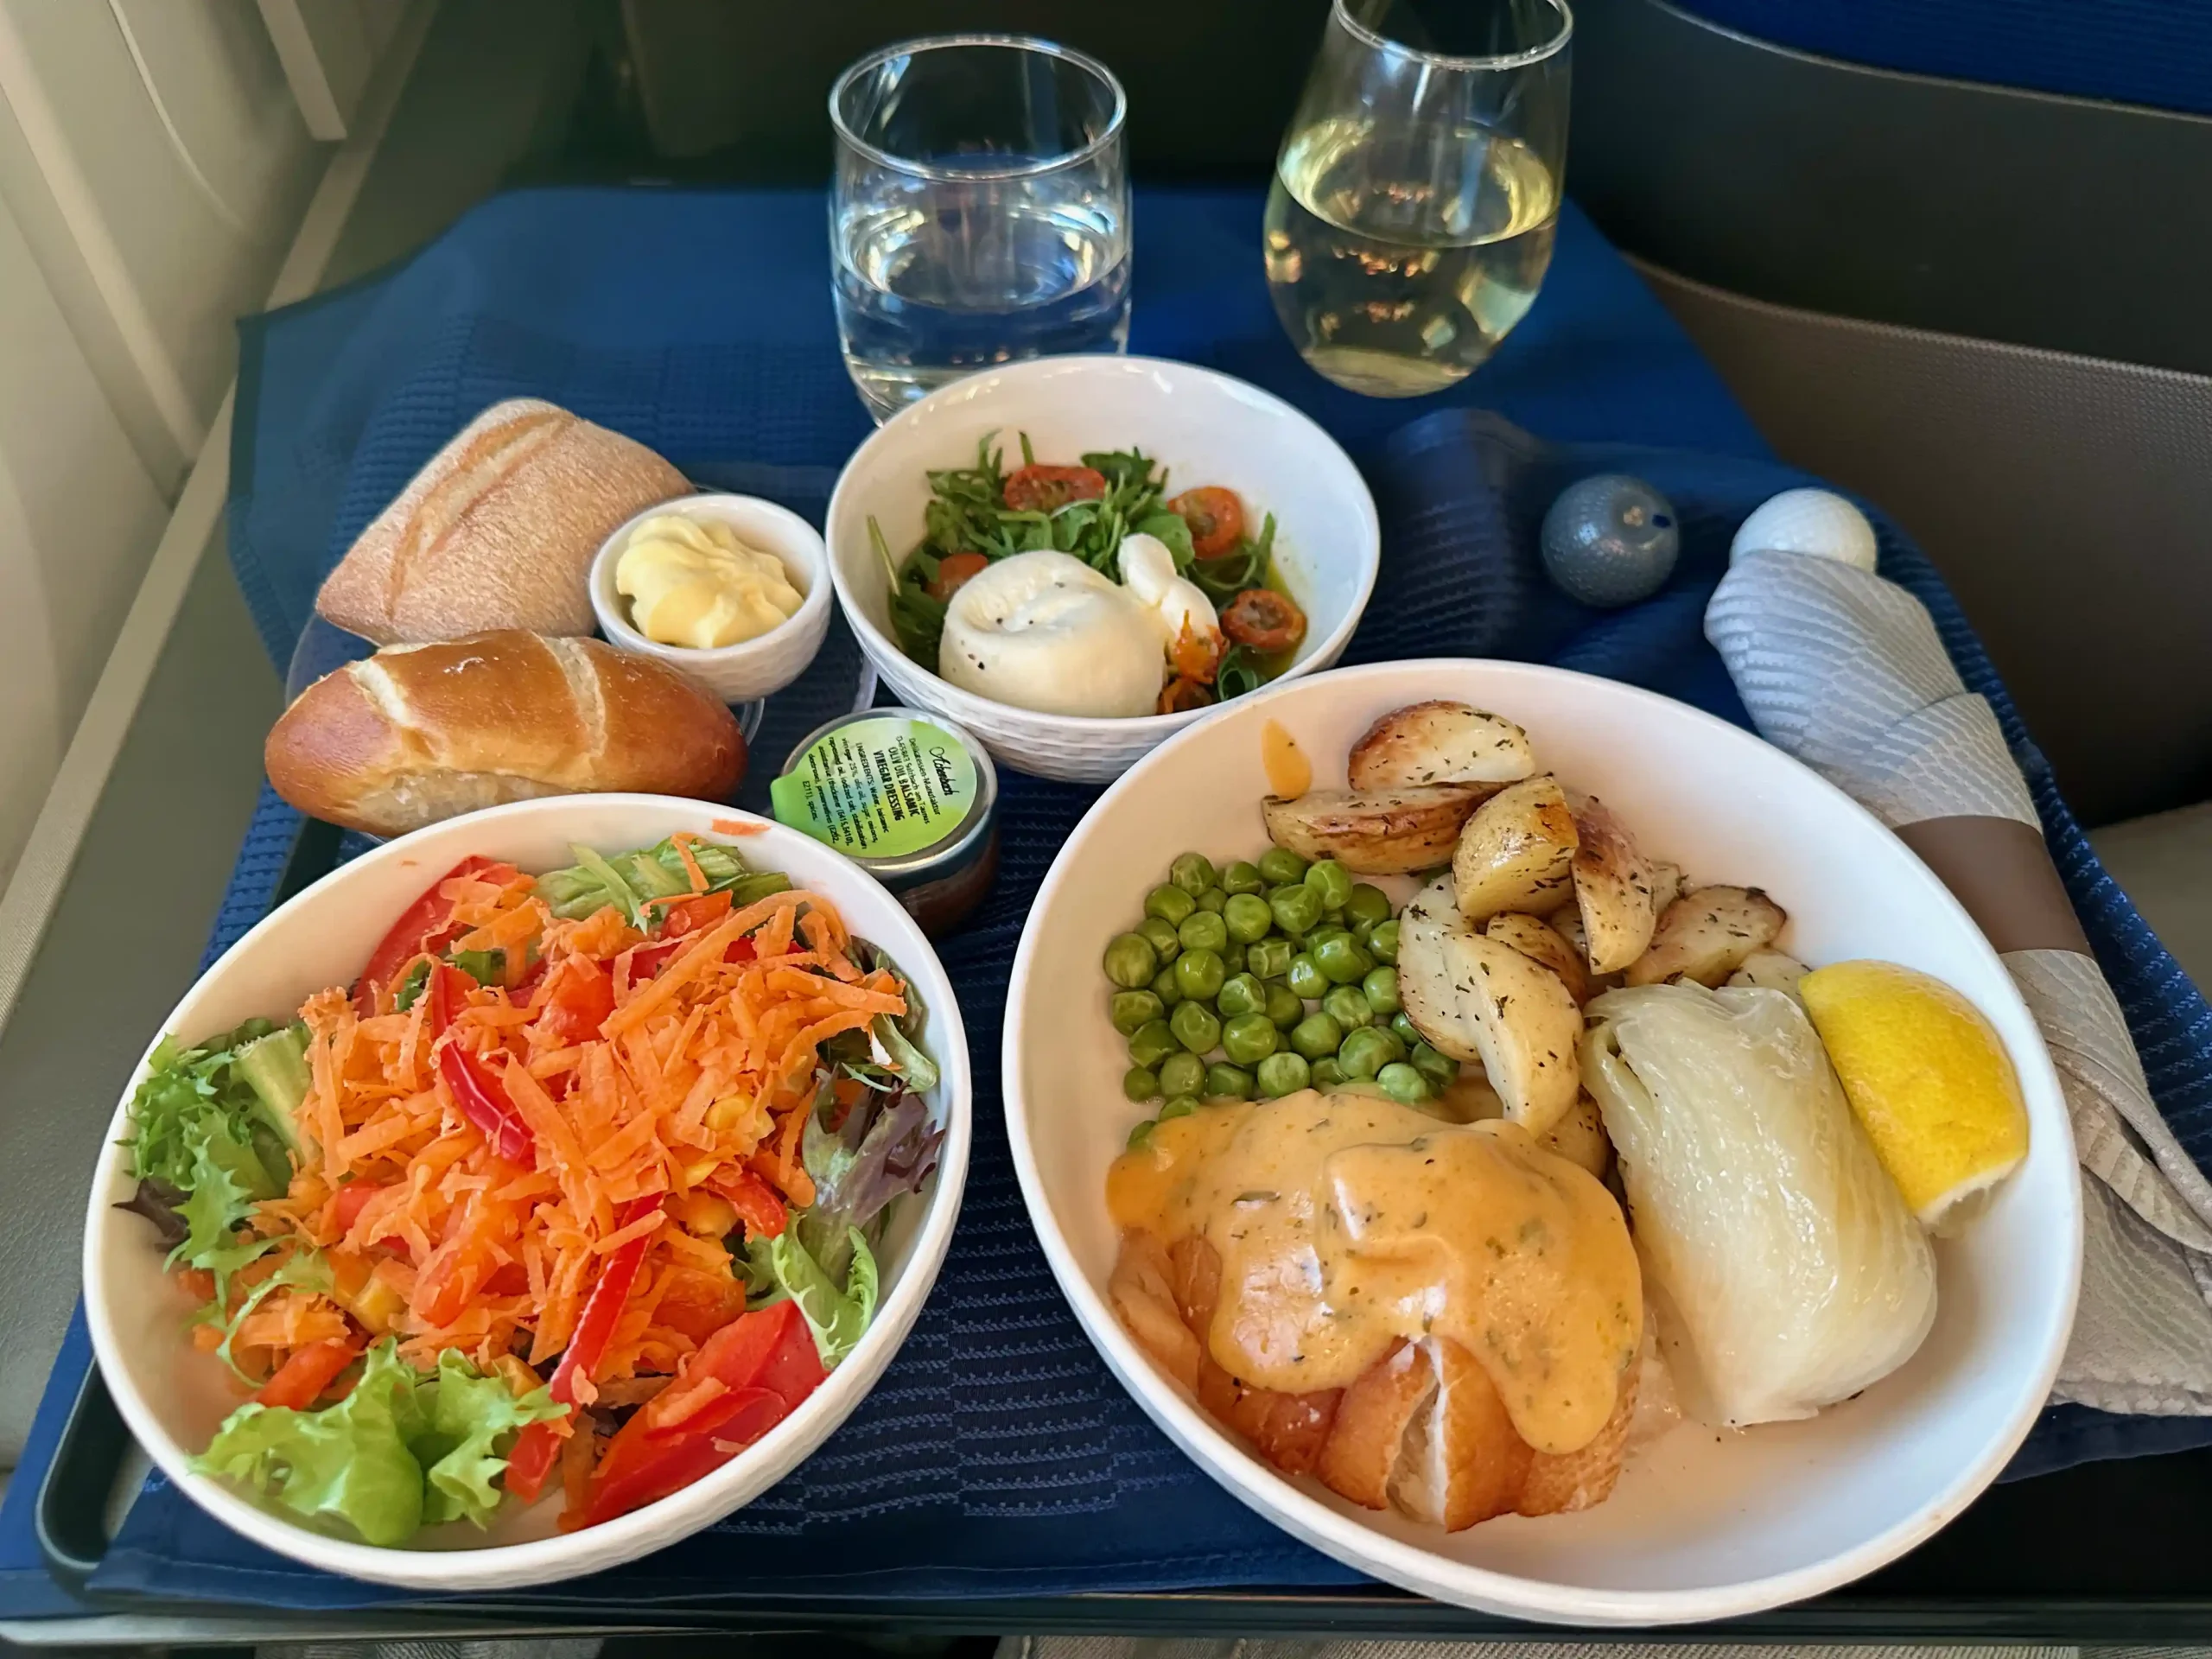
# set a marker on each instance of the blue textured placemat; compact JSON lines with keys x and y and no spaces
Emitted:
{"x":998,"y":1456}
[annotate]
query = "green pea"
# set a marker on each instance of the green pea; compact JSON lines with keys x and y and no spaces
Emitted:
{"x":1365,"y":1052}
{"x":1247,"y":917}
{"x":1161,"y":937}
{"x":1165,"y":987}
{"x":1361,"y":933}
{"x":1440,"y":1069}
{"x":1331,"y":881}
{"x":1316,"y":1034}
{"x":1213,"y":898}
{"x":1327,"y":1074}
{"x":1348,"y":1003}
{"x":1232,"y":957}
{"x":1243,"y":876}
{"x":1248,"y":1039}
{"x":1279,"y":864}
{"x":1241,"y":994}
{"x":1268,"y":958}
{"x":1181,"y":1106}
{"x":1200,"y":974}
{"x":1305,"y":978}
{"x":1382,"y":943}
{"x":1182,"y":1074}
{"x":1342,"y":961}
{"x":1335,"y":919}
{"x":1203,"y":931}
{"x":1408,"y":1033}
{"x":1295,"y":909}
{"x":1227,"y":1083}
{"x":1402,"y":1084}
{"x":1140,"y":1084}
{"x":1381,"y":987}
{"x":1192,"y":872}
{"x":1285,"y":1006}
{"x":1130,"y":1010}
{"x":1195,"y":1027}
{"x":1170,"y":904}
{"x":1151,"y":1043}
{"x":1140,"y":1135}
{"x":1368,"y":903}
{"x":1131,"y":962}
{"x":1283,"y":1074}
{"x":1327,"y":931}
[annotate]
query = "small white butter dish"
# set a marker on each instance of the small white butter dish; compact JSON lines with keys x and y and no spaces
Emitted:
{"x":753,"y":668}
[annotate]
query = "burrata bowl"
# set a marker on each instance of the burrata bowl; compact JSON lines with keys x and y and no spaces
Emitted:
{"x":1203,"y":427}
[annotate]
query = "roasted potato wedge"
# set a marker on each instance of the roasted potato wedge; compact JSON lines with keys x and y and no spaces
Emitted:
{"x":1612,"y":888}
{"x":1479,"y":999}
{"x":1517,"y":853}
{"x":1667,"y":885}
{"x":1440,"y":743}
{"x":1707,"y":934}
{"x":1579,"y":1137}
{"x":1770,"y":971}
{"x":1538,"y":940}
{"x":1374,"y":832}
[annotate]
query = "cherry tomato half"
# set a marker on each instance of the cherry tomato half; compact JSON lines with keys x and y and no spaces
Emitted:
{"x":1215,"y":517}
{"x":1263,"y":620}
{"x":1047,"y":489}
{"x":1183,"y":693}
{"x":955,"y":571}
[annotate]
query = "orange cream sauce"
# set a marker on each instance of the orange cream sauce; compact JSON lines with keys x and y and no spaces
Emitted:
{"x":1290,"y":774}
{"x":1347,"y":1221}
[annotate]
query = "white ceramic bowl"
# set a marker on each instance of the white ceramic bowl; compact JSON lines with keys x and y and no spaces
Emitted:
{"x":1703,"y":1526}
{"x":754,"y":668}
{"x":173,"y":1397}
{"x":1205,"y":428}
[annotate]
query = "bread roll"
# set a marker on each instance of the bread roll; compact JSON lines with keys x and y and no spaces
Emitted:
{"x":498,"y":530}
{"x":419,"y":733}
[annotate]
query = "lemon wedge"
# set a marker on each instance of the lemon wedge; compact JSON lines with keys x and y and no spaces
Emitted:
{"x":1928,"y":1079}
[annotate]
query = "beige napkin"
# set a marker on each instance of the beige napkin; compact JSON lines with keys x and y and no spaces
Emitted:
{"x":1844,"y":670}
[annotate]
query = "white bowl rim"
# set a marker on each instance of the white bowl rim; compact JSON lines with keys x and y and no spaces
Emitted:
{"x":1210,"y":1445}
{"x":542,"y":1560}
{"x":623,"y":635}
{"x":1137,"y":727}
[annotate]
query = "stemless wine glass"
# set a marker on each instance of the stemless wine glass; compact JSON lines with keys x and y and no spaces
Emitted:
{"x":981,"y":212}
{"x":1418,"y":188}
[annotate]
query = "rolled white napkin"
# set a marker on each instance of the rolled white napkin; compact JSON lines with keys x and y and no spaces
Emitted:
{"x":1845,"y":670}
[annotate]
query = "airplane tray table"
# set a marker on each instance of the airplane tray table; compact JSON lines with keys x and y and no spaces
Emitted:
{"x":1068,"y":1511}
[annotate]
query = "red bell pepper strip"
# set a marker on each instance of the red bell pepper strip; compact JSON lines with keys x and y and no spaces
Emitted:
{"x":300,"y":1381}
{"x":411,"y":934}
{"x":582,"y":996}
{"x":539,"y":1444}
{"x":765,"y":1361}
{"x":485,"y":1103}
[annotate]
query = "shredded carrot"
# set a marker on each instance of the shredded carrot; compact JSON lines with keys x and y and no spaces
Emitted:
{"x":737,"y":827}
{"x":702,"y":1078}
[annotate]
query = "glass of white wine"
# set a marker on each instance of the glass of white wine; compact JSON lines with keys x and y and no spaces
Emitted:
{"x":1418,"y":188}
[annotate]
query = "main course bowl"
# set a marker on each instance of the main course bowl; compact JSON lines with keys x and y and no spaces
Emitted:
{"x":1203,"y":427}
{"x":1704,"y":1524}
{"x":173,"y":1397}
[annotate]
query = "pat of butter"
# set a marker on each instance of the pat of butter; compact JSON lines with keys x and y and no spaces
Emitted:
{"x":695,"y":584}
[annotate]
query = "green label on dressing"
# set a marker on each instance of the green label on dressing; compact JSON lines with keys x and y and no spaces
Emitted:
{"x":879,"y":788}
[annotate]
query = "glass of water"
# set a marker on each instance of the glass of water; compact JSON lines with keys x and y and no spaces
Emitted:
{"x":981,"y":211}
{"x":1418,"y":189}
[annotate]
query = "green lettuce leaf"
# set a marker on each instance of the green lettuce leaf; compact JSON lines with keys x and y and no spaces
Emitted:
{"x":628,"y":881}
{"x":782,"y":1265}
{"x":347,"y":1464}
{"x":468,"y":1426}
{"x":400,"y":1452}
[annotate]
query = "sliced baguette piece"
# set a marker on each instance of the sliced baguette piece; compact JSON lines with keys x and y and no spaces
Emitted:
{"x":419,"y":733}
{"x":497,"y":531}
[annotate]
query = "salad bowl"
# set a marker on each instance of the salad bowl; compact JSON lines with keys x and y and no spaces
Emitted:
{"x":1704,"y":1523}
{"x":173,"y":1397}
{"x":1204,"y":426}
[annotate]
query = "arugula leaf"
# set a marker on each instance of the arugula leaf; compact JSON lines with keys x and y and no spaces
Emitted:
{"x":1170,"y":528}
{"x":399,"y":1452}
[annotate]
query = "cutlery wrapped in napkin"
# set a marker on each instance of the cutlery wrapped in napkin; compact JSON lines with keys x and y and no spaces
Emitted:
{"x":1844,"y":670}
